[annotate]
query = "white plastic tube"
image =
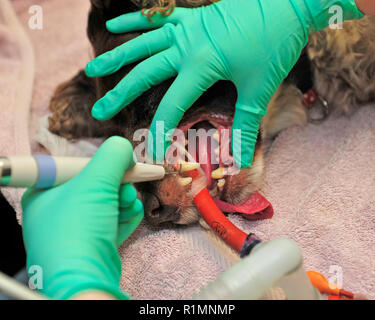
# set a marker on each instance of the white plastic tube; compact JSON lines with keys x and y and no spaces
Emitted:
{"x":13,"y":289}
{"x":274,"y":263}
{"x":47,"y":171}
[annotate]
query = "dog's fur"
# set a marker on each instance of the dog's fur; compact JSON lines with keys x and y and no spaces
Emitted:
{"x":343,"y":64}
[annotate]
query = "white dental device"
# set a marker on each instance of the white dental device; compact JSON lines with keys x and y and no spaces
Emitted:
{"x":41,"y":171}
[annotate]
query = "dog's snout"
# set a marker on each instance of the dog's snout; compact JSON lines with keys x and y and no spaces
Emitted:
{"x":156,"y":212}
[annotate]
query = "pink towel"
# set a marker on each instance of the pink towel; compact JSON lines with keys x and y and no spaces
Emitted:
{"x":320,"y":181}
{"x":61,"y":48}
{"x":16,"y":81}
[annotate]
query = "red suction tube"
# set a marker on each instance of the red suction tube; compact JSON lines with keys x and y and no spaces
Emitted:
{"x":222,"y":226}
{"x":243,"y":243}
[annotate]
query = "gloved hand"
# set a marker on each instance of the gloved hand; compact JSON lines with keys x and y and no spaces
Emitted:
{"x":72,"y":231}
{"x":255,"y":44}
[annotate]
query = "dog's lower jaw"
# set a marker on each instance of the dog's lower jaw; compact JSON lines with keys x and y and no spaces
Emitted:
{"x":189,"y":216}
{"x":237,"y":189}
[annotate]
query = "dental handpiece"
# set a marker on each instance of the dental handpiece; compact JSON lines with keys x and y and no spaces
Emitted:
{"x":42,"y":171}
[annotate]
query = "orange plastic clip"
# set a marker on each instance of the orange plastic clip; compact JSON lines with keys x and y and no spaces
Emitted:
{"x":324,"y":286}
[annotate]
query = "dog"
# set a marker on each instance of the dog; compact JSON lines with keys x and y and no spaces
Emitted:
{"x":338,"y":64}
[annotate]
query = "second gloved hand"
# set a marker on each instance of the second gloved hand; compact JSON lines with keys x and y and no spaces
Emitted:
{"x":72,"y":231}
{"x":254,"y":44}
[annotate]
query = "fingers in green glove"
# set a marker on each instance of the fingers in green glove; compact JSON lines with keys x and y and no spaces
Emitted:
{"x":128,"y":195}
{"x":131,"y":212}
{"x":132,"y":51}
{"x":150,"y":72}
{"x":83,"y":221}
{"x":137,"y":21}
{"x":185,"y":90}
{"x":135,"y":209}
{"x":117,"y":152}
{"x":245,"y":131}
{"x":129,"y":220}
{"x":28,"y":196}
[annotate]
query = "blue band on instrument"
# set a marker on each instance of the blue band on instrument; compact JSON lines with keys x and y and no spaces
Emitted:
{"x":46,"y":172}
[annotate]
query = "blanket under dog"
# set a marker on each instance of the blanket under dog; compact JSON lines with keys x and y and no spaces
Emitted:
{"x":16,"y":83}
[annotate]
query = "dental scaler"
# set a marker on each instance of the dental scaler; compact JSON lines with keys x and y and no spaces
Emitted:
{"x":42,"y":171}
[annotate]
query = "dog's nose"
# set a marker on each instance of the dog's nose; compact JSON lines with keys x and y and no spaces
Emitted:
{"x":157,"y":213}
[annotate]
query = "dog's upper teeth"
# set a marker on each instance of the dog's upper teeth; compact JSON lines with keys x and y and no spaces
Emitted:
{"x":218,"y":116}
{"x":188,"y":166}
{"x":184,"y":181}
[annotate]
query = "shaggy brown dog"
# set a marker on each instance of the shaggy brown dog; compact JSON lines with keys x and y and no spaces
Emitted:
{"x":342,"y":62}
{"x":343,"y":66}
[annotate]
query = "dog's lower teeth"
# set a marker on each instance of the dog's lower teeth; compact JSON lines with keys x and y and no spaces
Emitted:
{"x":221,"y":184}
{"x":185,"y":181}
{"x":218,"y":173}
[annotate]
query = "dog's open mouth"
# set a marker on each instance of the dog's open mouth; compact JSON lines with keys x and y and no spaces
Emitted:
{"x":207,"y":140}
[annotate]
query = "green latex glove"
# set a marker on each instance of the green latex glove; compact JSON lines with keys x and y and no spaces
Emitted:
{"x":254,"y":44}
{"x":72,"y":231}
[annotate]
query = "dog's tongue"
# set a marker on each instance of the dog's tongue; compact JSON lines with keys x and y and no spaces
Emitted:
{"x":256,"y":207}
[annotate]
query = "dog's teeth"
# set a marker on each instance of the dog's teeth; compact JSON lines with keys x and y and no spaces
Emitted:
{"x":189,"y":166}
{"x":185,"y":181}
{"x":218,"y":173}
{"x":217,"y":151}
{"x":221,"y":184}
{"x":215,"y":124}
{"x":186,"y":142}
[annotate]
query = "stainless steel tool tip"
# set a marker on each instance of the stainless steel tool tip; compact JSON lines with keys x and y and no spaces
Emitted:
{"x":183,"y":167}
{"x":5,"y":171}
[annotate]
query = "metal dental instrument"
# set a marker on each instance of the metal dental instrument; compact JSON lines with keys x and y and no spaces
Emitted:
{"x":41,"y":171}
